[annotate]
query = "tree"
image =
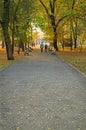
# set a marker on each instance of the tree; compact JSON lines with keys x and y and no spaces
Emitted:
{"x":14,"y":6}
{"x":54,"y":18}
{"x":24,"y":19}
{"x":5,"y":28}
{"x":13,"y":19}
{"x":77,"y":16}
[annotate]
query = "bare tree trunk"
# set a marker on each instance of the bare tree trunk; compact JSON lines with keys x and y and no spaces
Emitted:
{"x":13,"y":25}
{"x":75,"y":34}
{"x":13,"y":28}
{"x":51,"y":17}
{"x":2,"y":44}
{"x":5,"y":24}
{"x":55,"y":39}
{"x":7,"y":43}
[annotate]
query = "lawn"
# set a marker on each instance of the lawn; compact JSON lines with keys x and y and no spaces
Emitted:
{"x":77,"y":59}
{"x":3,"y":58}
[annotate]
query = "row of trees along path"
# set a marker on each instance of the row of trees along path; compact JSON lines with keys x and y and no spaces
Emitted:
{"x":57,"y":18}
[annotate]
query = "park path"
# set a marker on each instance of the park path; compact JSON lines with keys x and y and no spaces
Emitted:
{"x":42,"y":92}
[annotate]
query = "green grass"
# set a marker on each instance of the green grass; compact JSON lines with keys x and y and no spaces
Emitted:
{"x":77,"y":59}
{"x":3,"y":58}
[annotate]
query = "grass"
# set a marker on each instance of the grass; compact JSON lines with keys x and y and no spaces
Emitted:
{"x":3,"y":58}
{"x":77,"y":59}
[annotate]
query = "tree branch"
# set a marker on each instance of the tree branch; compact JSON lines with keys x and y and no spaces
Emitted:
{"x":16,"y":8}
{"x":73,"y":3}
{"x":61,"y":20}
{"x":45,"y":8}
{"x":51,"y":7}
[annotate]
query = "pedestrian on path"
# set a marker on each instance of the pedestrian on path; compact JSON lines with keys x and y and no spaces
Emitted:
{"x":46,"y":47}
{"x":41,"y":47}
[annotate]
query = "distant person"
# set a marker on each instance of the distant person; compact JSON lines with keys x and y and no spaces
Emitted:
{"x":41,"y":47}
{"x":33,"y":44}
{"x":46,"y":47}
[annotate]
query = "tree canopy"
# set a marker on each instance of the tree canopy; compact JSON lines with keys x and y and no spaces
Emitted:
{"x":58,"y":19}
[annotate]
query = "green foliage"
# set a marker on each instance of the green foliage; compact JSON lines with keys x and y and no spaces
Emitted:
{"x":1,"y":9}
{"x":25,"y":12}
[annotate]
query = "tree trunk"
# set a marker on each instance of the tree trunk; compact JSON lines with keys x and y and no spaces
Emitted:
{"x":75,"y":34}
{"x":55,"y":39}
{"x":5,"y":24}
{"x":13,"y":31}
{"x":7,"y":43}
{"x":12,"y":42}
{"x":75,"y":42}
{"x":2,"y":44}
{"x":22,"y":45}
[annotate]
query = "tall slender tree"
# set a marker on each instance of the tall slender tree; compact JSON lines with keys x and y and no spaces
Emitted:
{"x":5,"y":28}
{"x":53,"y":17}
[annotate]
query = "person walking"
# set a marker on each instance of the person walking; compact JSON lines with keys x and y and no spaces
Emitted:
{"x":41,"y":47}
{"x":46,"y":47}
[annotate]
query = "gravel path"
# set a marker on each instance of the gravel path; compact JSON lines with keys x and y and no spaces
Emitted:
{"x":42,"y":92}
